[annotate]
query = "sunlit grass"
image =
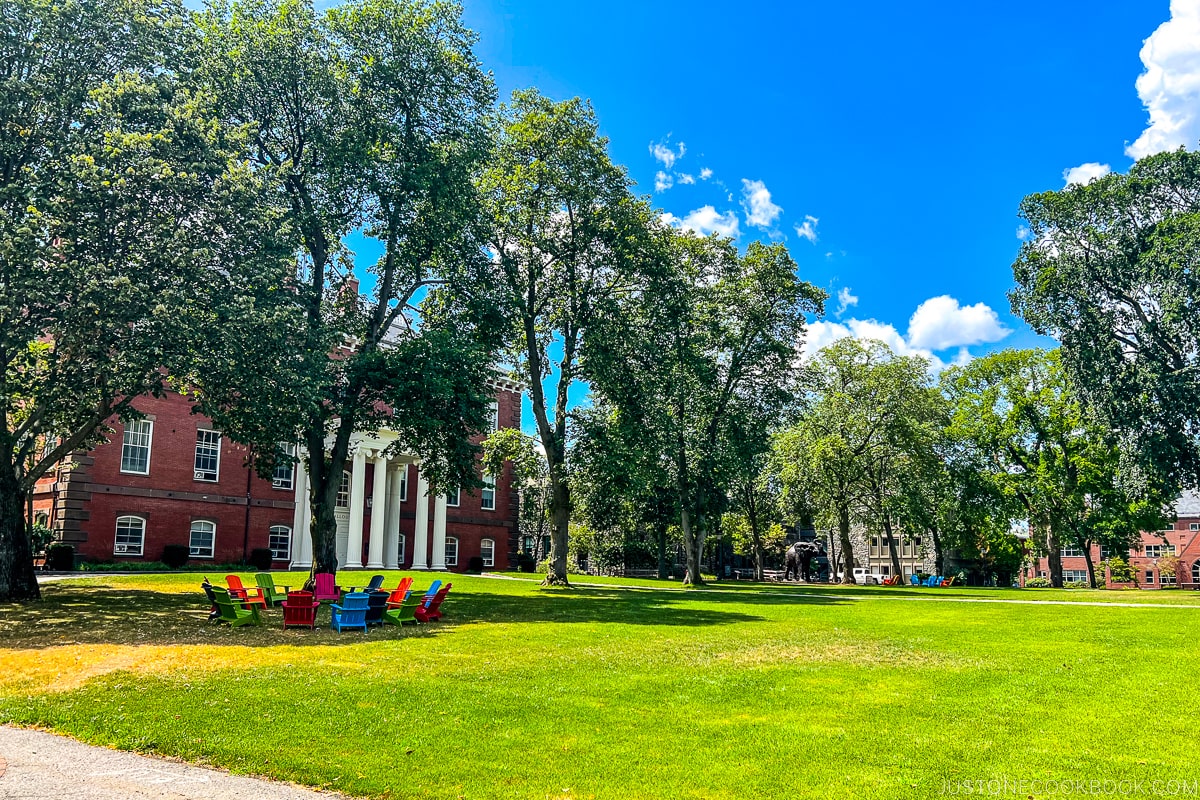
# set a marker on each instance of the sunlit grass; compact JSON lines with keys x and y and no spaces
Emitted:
{"x":747,"y":691}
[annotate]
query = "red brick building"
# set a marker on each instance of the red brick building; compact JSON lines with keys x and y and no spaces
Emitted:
{"x":1180,"y":539}
{"x":172,"y":478}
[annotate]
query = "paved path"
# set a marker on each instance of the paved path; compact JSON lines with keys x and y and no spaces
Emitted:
{"x":40,"y":766}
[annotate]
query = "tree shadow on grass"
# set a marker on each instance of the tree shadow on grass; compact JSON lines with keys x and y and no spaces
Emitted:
{"x":108,"y":615}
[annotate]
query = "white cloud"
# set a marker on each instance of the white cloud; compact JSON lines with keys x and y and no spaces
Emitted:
{"x":662,"y":181}
{"x":705,"y":220}
{"x":705,"y":174}
{"x":1085,"y":173}
{"x":844,"y":300}
{"x":684,"y":179}
{"x":756,"y":201}
{"x":808,"y":228}
{"x":662,"y":151}
{"x":940,"y":323}
{"x":1170,"y":86}
{"x":1023,"y":232}
{"x":821,"y":334}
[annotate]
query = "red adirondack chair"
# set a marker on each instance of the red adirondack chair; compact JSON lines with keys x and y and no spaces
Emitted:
{"x":248,"y":597}
{"x":431,"y":610}
{"x":300,"y":610}
{"x":399,"y":593}
{"x":324,"y":589}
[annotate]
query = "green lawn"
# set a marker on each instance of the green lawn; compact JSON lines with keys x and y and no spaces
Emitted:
{"x":744,"y":691}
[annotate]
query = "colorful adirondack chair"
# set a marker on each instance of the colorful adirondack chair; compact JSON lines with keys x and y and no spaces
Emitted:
{"x":934,"y":580}
{"x":230,"y":610}
{"x":377,"y":602}
{"x":324,"y":589}
{"x":249,"y":597}
{"x":432,"y":590}
{"x":267,"y":584}
{"x":352,"y":613}
{"x":430,"y":610}
{"x":915,"y":580}
{"x":399,"y":593}
{"x":300,"y":610}
{"x":376,"y":583}
{"x":949,"y":581}
{"x":404,"y":612}
{"x":213,"y":612}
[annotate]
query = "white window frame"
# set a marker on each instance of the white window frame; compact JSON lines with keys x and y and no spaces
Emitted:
{"x":457,"y":496}
{"x":400,"y":549}
{"x":141,"y":545}
{"x":288,"y":483}
{"x":195,"y":552}
{"x":1196,"y":571}
{"x":1194,"y":526}
{"x":487,"y":495}
{"x":1149,"y":576}
{"x":125,"y":443}
{"x":487,"y":551}
{"x":404,"y":483}
{"x":202,"y":474}
{"x":451,"y":551}
{"x":494,"y":412}
{"x":280,"y":530}
{"x":1167,"y":580}
{"x":1070,"y":551}
{"x":1076,"y":576}
{"x":342,"y":500}
{"x":1159,"y":550}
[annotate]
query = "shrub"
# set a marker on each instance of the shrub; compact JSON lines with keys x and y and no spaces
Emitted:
{"x":1119,"y":570}
{"x":1038,"y":583}
{"x":525,"y":562}
{"x":40,"y":538}
{"x":60,"y":557}
{"x":1076,"y":585}
{"x":475,"y":565}
{"x":260,"y":559}
{"x":175,"y":555}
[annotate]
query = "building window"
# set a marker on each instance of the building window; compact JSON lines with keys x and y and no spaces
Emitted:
{"x":208,"y":455}
{"x":452,"y":498}
{"x":1194,"y":526}
{"x":1159,"y":550}
{"x":875,"y":542}
{"x":280,"y":542}
{"x":343,"y":495}
{"x":404,"y":483}
{"x":284,"y":476}
{"x":1196,"y":571}
{"x":917,"y":542}
{"x":135,"y":446}
{"x":494,"y":414}
{"x":131,"y":535}
{"x":1170,"y":527}
{"x":1166,"y":580}
{"x":400,"y":550}
{"x":487,"y":551}
{"x":487,"y":499}
{"x":1075,"y":576}
{"x":451,"y":551}
{"x":1149,"y":576}
{"x":203,"y":538}
{"x":1071,"y":551}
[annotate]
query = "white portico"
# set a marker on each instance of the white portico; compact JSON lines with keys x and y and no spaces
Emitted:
{"x":383,"y":495}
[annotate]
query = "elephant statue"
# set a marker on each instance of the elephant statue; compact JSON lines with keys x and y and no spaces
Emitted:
{"x":799,"y":560}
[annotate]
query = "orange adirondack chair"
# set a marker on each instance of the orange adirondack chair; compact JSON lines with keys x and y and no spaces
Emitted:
{"x":325,"y":590}
{"x":399,"y":593}
{"x":249,"y":597}
{"x":431,"y":610}
{"x":300,"y":610}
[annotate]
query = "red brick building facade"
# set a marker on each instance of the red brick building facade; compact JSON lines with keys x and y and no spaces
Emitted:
{"x":173,"y":479}
{"x":1181,"y":539}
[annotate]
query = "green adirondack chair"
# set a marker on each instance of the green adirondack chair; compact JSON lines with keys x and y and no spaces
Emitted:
{"x":267,"y":584}
{"x":403,"y":613}
{"x":232,"y":612}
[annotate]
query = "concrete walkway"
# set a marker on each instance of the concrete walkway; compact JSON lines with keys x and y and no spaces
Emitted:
{"x":39,"y":766}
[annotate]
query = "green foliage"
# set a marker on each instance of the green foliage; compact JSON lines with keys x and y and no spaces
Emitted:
{"x":1038,"y":583}
{"x":60,"y":557}
{"x":40,"y":537}
{"x":1119,"y":570}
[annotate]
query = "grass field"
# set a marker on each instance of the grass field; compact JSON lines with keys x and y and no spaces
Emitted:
{"x":616,"y":692}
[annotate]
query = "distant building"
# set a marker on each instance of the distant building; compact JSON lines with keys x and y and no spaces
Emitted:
{"x":173,"y":478}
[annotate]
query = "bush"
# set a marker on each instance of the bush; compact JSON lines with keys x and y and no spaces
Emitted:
{"x":261,"y":558}
{"x":1076,"y":585}
{"x":475,"y":565}
{"x":60,"y":558}
{"x":1119,"y":570}
{"x":175,"y":555}
{"x":525,"y":562}
{"x":40,"y":538}
{"x":1038,"y":583}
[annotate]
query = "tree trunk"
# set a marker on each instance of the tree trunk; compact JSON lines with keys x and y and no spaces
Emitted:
{"x":693,"y":545}
{"x":663,"y":574}
{"x":1087,"y":559}
{"x":755,"y":536}
{"x":18,"y":583}
{"x":847,"y":547}
{"x":891,"y":543}
{"x":556,"y":572}
{"x":939,"y":560}
{"x":1054,"y":550}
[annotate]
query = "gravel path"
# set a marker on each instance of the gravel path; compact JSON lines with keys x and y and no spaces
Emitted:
{"x":39,"y":766}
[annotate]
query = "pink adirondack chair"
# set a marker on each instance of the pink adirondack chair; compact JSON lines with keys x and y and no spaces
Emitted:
{"x":431,"y":610}
{"x":324,"y":588}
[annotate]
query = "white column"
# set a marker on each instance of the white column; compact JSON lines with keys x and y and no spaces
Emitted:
{"x":300,"y":520}
{"x":421,"y":528}
{"x":439,"y":532}
{"x":358,"y":480}
{"x":379,"y":506}
{"x":391,"y":523}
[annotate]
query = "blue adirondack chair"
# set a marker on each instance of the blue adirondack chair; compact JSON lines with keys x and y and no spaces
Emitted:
{"x":433,"y":589}
{"x":934,"y":580}
{"x":351,"y":613}
{"x":915,"y":580}
{"x":376,"y":583}
{"x":377,"y":603}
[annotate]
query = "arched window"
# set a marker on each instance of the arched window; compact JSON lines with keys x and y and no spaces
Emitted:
{"x":451,"y":551}
{"x":400,"y":551}
{"x":343,"y":495}
{"x":131,"y":535}
{"x":203,"y":539}
{"x":279,"y":539}
{"x":487,"y":551}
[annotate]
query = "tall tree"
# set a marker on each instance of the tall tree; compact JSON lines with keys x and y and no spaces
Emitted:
{"x":127,"y":226}
{"x":566,"y":236}
{"x":372,"y":117}
{"x":704,"y":367}
{"x":1110,"y":269}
